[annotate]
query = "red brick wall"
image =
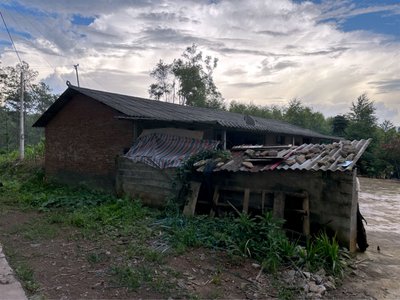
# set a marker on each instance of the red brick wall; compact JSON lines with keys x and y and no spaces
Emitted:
{"x":83,"y":140}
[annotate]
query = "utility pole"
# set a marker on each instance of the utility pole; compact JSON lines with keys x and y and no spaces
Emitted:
{"x":21,"y":119}
{"x":76,"y":71}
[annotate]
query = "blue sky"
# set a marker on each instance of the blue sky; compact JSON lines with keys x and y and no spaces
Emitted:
{"x":381,"y":17}
{"x":325,"y":52}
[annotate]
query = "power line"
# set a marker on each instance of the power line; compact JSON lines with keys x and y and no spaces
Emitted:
{"x":11,"y":39}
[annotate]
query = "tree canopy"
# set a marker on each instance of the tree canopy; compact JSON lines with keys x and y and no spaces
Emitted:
{"x":295,"y":113}
{"x":188,"y":80}
{"x":37,"y":98}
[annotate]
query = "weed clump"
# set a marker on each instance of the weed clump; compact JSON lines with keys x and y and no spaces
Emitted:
{"x":260,"y":237}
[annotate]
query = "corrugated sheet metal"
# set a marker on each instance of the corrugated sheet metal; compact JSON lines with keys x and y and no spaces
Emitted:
{"x":167,"y":151}
{"x":140,"y":108}
{"x":339,"y":156}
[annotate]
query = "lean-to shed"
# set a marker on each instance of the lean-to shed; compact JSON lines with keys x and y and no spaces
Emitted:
{"x":311,"y":186}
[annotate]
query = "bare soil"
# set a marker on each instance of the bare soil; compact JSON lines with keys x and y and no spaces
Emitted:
{"x":62,"y":268}
{"x":377,"y":275}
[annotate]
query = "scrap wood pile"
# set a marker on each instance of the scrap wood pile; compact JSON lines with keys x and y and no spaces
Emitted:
{"x":336,"y":156}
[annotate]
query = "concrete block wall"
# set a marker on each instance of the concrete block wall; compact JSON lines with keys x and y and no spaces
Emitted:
{"x":152,"y":185}
{"x":331,"y":199}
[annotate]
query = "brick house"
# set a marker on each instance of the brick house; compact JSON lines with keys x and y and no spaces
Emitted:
{"x":86,"y":130}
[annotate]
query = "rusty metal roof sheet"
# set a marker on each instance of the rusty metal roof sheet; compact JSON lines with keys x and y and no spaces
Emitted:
{"x":145,"y":109}
{"x":338,"y":156}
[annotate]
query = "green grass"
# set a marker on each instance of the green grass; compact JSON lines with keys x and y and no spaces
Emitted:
{"x":135,"y":277}
{"x":26,"y":275}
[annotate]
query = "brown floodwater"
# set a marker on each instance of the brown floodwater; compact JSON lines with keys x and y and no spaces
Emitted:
{"x":377,"y":275}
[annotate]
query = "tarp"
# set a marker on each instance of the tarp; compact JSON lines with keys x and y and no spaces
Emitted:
{"x":167,"y":151}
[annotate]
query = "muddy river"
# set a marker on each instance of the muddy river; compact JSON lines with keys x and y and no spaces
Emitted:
{"x":377,"y":275}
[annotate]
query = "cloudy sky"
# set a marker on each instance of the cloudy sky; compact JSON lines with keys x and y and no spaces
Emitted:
{"x":325,"y":53}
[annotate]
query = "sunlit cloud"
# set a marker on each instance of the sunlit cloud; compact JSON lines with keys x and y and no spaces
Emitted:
{"x":269,"y":51}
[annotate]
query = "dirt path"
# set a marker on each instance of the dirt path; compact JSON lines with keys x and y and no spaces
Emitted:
{"x":378,"y":272}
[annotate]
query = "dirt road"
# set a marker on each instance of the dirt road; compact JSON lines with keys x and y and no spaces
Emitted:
{"x":378,"y":271}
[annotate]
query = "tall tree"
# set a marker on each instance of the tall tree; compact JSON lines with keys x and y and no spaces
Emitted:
{"x":188,"y":79}
{"x":363,"y":125}
{"x":12,"y":86}
{"x":162,"y":87}
{"x":38,"y":97}
{"x":339,"y":125}
{"x":298,"y":114}
{"x":268,"y":112}
{"x":363,"y":121}
{"x":392,"y":153}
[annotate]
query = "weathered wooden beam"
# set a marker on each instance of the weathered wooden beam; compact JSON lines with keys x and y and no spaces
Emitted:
{"x":279,"y":205}
{"x":224,"y":139}
{"x":215,"y":201}
{"x":246,"y":200}
{"x":306,"y":217}
{"x":190,"y":206}
{"x":262,"y":201}
{"x":353,"y":214}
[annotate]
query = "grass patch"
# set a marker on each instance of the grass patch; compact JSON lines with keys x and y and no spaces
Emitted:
{"x":36,"y":230}
{"x":26,"y":275}
{"x":261,"y":238}
{"x":94,"y":258}
{"x":39,"y":231}
{"x":130,"y":277}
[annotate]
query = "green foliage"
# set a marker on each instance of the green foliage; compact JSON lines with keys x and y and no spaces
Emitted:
{"x":391,"y":151}
{"x":339,"y":125}
{"x":39,"y":231}
{"x":124,"y":215}
{"x":261,"y":238}
{"x":93,"y":257}
{"x":268,"y":112}
{"x":25,"y":274}
{"x":323,"y":252}
{"x":131,"y":278}
{"x":188,"y":80}
{"x":37,"y":98}
{"x":298,"y":114}
{"x":134,"y":277}
{"x":363,"y":125}
{"x":295,"y":113}
{"x":182,"y":178}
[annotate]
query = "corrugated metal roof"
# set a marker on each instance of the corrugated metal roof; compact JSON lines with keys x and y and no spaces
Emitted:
{"x":339,"y":156}
{"x":167,"y":151}
{"x":140,"y":108}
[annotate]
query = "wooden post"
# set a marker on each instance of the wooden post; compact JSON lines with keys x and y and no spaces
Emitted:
{"x":279,"y":205}
{"x":215,"y":201}
{"x":353,"y":216}
{"x":306,"y":217}
{"x":246,"y":200}
{"x":135,"y":130}
{"x":224,"y":139}
{"x":262,"y":201}
{"x":190,"y":207}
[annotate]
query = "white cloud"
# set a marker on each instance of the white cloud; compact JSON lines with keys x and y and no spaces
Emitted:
{"x":267,"y":50}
